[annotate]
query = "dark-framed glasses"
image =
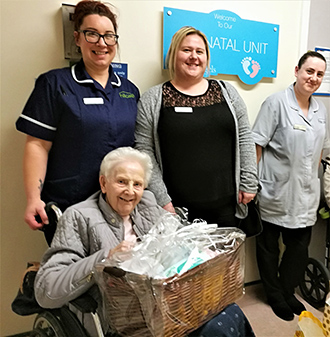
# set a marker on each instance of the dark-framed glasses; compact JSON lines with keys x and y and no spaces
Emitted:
{"x":109,"y":39}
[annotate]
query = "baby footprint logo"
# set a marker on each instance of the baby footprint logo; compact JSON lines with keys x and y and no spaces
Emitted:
{"x":255,"y":67}
{"x":246,"y":63}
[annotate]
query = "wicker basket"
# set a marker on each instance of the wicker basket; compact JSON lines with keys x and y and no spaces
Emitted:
{"x":137,"y":305}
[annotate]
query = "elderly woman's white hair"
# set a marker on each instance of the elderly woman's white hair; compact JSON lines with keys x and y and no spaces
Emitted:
{"x":123,"y":154}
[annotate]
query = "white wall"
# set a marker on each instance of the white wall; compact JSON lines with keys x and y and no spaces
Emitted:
{"x":31,"y":43}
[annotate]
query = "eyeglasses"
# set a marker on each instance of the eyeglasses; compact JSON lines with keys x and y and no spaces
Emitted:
{"x":94,"y":37}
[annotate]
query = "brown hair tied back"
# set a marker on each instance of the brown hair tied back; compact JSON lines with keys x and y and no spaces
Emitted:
{"x":88,"y":7}
{"x":310,"y":53}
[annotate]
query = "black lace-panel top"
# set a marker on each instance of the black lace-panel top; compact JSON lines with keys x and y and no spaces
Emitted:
{"x":172,"y":97}
{"x":197,"y":140}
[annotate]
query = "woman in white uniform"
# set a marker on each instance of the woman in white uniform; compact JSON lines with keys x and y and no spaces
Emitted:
{"x":290,"y":134}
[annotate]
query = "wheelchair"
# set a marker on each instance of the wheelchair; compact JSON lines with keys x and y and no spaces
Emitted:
{"x":63,"y":322}
{"x":315,"y":285}
{"x":79,"y":317}
{"x":68,"y":321}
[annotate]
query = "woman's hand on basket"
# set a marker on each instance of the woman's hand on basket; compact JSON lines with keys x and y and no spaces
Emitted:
{"x":169,"y":208}
{"x":124,"y":246}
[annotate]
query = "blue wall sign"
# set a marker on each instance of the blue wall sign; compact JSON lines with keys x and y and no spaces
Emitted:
{"x":237,"y":46}
{"x":120,"y":69}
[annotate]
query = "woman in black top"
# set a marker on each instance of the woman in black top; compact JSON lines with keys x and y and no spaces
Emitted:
{"x":198,"y":135}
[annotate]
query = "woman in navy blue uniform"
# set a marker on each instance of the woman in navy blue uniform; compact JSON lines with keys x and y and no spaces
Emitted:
{"x":75,"y":116}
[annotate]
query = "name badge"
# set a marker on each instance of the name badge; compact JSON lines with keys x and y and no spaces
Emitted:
{"x":300,"y":127}
{"x":93,"y":100}
{"x":183,"y":109}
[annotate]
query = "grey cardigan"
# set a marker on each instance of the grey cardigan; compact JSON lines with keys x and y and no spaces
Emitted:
{"x":146,"y":139}
{"x":85,"y":234}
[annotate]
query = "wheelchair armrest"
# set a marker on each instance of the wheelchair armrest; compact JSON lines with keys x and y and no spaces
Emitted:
{"x":85,"y":303}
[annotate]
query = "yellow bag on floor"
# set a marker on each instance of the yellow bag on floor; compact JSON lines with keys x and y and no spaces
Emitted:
{"x":309,"y":326}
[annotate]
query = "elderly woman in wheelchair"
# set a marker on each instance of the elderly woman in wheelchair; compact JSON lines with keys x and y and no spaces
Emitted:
{"x":109,"y":221}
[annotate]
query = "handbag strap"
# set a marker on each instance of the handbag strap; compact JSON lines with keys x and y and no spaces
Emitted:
{"x":32,"y":266}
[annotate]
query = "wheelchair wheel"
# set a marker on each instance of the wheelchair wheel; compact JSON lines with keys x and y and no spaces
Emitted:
{"x":57,"y":323}
{"x":47,"y":324}
{"x":315,"y":285}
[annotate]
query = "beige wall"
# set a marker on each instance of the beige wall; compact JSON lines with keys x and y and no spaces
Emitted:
{"x":31,"y":43}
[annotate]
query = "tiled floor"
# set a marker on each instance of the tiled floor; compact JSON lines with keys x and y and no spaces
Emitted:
{"x":262,"y":319}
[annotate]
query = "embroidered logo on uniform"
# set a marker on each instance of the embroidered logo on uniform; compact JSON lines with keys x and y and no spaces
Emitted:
{"x":125,"y":94}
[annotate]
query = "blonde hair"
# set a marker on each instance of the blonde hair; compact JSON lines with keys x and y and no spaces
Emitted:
{"x":175,"y":45}
{"x":123,"y":154}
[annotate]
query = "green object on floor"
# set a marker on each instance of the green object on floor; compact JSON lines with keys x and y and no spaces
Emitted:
{"x":324,"y":213}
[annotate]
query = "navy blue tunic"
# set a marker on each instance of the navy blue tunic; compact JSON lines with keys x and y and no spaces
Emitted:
{"x":84,"y":121}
